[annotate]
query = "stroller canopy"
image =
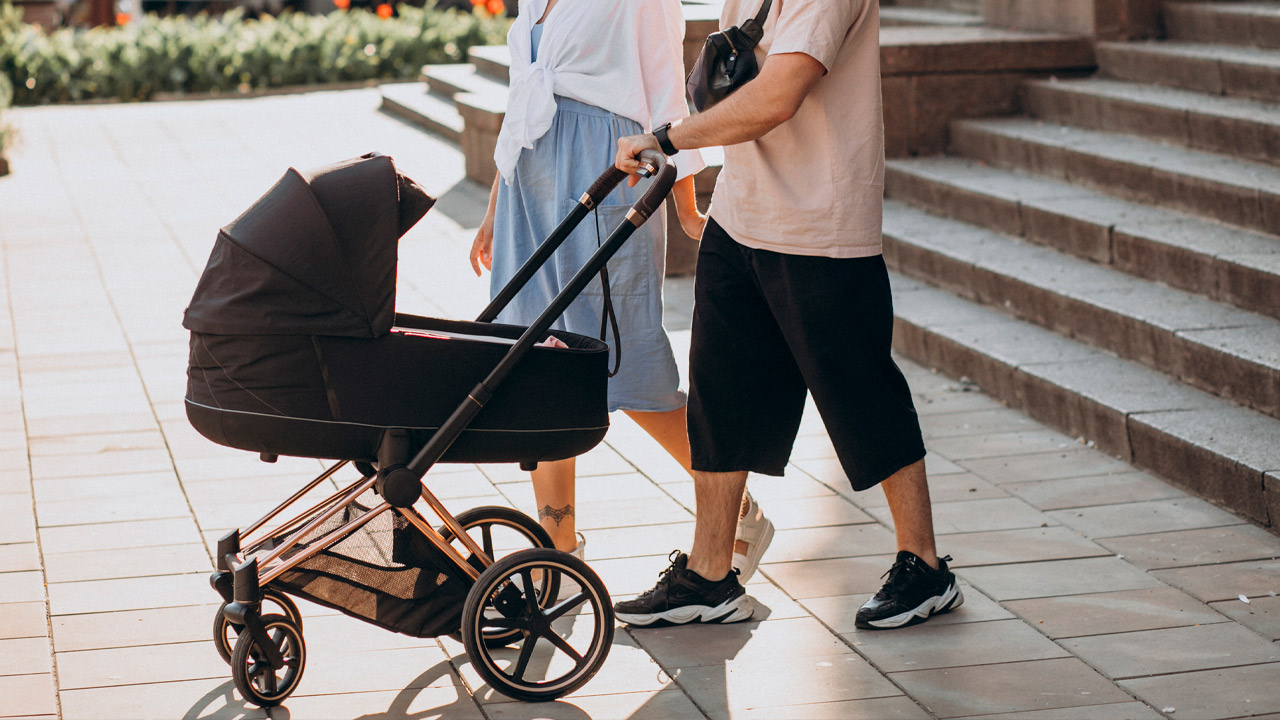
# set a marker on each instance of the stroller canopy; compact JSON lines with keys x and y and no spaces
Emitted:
{"x":315,"y":255}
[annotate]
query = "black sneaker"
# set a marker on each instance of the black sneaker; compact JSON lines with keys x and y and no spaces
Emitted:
{"x":913,"y":593}
{"x":683,"y":596}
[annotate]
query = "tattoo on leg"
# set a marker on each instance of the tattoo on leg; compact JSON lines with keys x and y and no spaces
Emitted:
{"x":557,"y":514}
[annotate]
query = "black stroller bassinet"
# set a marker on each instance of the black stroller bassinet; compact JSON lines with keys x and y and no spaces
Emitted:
{"x":296,"y":349}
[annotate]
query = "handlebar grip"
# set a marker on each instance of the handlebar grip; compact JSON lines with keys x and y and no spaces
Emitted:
{"x":648,"y":203}
{"x":604,"y":185}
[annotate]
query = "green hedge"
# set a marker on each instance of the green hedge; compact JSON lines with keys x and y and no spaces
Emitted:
{"x":231,"y":54}
{"x":6,"y":132}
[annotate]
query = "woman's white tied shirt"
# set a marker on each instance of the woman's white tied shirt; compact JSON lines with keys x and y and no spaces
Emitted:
{"x":624,"y":56}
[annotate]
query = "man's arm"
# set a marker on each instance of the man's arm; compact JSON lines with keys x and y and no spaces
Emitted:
{"x":759,"y":106}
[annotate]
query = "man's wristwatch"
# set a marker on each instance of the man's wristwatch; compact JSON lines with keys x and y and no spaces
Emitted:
{"x":664,"y":142}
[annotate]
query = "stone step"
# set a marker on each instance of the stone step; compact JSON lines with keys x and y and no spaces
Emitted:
{"x":1243,"y":128}
{"x":491,"y":61}
{"x":1229,"y":352}
{"x":449,"y":80}
{"x":971,"y":7}
{"x":909,"y":16}
{"x":1226,"y":264}
{"x":1228,"y":23}
{"x":1239,"y":192}
{"x":411,"y":102}
{"x":1214,"y":69}
{"x":1208,"y":445}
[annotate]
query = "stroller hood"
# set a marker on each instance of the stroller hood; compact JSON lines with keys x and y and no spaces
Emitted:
{"x":315,"y":255}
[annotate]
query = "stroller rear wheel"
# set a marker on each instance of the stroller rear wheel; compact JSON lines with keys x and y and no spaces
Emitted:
{"x":254,"y":675}
{"x":499,"y":531}
{"x":225,"y":632}
{"x":560,"y":646}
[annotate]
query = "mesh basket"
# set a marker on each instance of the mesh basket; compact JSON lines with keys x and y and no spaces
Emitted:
{"x":385,"y":573}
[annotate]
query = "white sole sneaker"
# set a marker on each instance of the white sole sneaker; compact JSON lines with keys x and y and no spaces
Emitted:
{"x":756,"y":531}
{"x":936,"y":605}
{"x":730,"y":611}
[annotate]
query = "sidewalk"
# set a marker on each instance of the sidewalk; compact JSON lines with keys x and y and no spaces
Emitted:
{"x":1093,"y":590}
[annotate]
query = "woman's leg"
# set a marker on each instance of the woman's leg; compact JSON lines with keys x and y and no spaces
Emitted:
{"x":553,"y":486}
{"x":671,"y":430}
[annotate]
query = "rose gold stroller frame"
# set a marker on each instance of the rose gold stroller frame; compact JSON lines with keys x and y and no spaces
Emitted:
{"x":400,"y":468}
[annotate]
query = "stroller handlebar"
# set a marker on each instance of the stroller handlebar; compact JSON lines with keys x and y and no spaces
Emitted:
{"x":658,"y":190}
{"x":652,"y":163}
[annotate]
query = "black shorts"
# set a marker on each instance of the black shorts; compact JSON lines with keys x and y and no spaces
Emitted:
{"x":767,"y":327}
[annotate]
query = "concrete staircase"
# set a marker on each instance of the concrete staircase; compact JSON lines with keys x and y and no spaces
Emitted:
{"x":956,"y":13}
{"x":1110,"y":264}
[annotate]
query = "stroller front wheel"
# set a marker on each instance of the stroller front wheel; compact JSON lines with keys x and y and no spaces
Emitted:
{"x":225,"y":632}
{"x":558,"y":648}
{"x":259,"y":680}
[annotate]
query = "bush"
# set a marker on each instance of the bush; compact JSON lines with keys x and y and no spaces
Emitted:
{"x":230,"y":53}
{"x":6,"y":132}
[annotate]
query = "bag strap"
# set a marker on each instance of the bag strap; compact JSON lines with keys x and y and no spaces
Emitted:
{"x":753,"y":28}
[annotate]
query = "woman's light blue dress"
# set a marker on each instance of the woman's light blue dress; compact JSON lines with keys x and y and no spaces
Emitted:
{"x":548,"y":181}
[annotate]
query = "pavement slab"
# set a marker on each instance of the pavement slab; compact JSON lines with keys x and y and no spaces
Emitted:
{"x":1074,"y":564}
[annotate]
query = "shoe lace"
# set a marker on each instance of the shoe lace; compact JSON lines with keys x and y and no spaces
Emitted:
{"x":902,"y":572}
{"x":664,"y":577}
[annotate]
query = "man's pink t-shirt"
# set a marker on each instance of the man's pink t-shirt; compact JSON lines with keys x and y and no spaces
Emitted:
{"x":814,"y":185}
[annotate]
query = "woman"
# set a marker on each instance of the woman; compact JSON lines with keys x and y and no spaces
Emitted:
{"x":583,"y":74}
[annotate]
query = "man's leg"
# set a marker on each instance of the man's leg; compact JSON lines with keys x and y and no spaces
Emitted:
{"x":908,"y":494}
{"x":719,"y":497}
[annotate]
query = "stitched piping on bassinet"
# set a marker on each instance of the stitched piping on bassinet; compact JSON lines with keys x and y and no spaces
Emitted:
{"x":189,"y":401}
{"x":222,"y":367}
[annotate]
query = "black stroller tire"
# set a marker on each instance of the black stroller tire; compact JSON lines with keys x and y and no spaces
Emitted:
{"x":224,"y":642}
{"x":534,"y":624}
{"x":254,"y":677}
{"x":484,"y":518}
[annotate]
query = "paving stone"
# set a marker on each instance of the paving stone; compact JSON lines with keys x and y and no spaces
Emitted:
{"x":19,"y":557}
{"x":1113,"y":612}
{"x":1093,"y":490}
{"x":129,"y":593}
{"x":139,"y":485}
{"x":1159,"y":652}
{"x":1001,"y":445}
{"x":23,"y":620}
{"x":1017,"y":546}
{"x":830,"y":542}
{"x":99,"y":631}
{"x":670,"y":702}
{"x":133,"y":562}
{"x":25,"y":656}
{"x":636,"y":541}
{"x":724,"y":689}
{"x":1260,"y":614}
{"x":1208,"y":694}
{"x":139,"y":665}
{"x":891,"y":708}
{"x":990,"y":689}
{"x":117,"y":536}
{"x":1196,"y":547}
{"x":436,"y":701}
{"x":201,"y":698}
{"x":814,"y":512}
{"x":1058,"y":577}
{"x":1116,"y":711}
{"x":377,"y":670}
{"x":1064,"y":463}
{"x":962,"y":644}
{"x":840,"y":612}
{"x":169,"y":504}
{"x":1152,"y":516}
{"x":823,"y":578}
{"x":697,"y":645}
{"x":28,"y":694}
{"x":629,"y":669}
{"x":22,"y":587}
{"x":1210,"y":583}
{"x":978,"y":516}
{"x":942,"y":489}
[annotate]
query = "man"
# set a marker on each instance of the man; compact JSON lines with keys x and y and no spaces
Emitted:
{"x":792,"y":294}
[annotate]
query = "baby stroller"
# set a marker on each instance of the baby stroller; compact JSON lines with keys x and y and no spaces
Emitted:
{"x":296,"y":349}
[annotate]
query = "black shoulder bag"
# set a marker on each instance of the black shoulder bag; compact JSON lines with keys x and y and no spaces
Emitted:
{"x":727,"y":62}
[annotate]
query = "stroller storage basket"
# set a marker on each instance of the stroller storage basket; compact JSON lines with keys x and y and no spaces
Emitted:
{"x":384,"y":572}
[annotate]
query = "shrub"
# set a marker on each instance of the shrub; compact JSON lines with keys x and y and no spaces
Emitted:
{"x":231,"y":53}
{"x":6,"y":132}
